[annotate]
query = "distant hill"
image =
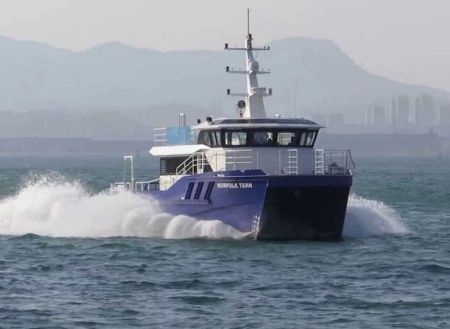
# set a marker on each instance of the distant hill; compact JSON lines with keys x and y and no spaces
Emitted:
{"x":150,"y":87}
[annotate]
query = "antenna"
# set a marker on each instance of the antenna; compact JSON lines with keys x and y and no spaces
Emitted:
{"x":248,"y":21}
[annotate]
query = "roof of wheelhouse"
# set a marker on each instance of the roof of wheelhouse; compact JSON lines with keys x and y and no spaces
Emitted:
{"x":259,"y":123}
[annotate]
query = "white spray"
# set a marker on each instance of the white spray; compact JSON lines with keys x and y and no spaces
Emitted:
{"x":52,"y":206}
{"x":369,"y":217}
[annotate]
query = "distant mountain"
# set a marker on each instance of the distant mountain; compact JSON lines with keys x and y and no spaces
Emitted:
{"x":308,"y":75}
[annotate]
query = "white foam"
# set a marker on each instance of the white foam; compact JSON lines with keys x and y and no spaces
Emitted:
{"x":51,"y":206}
{"x":369,"y":217}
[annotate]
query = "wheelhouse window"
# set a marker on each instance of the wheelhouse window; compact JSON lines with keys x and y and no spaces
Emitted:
{"x":258,"y":137}
{"x":235,"y":138}
{"x":287,"y":138}
{"x":248,"y":138}
{"x":261,"y":138}
{"x":307,"y":138}
{"x":210,"y":138}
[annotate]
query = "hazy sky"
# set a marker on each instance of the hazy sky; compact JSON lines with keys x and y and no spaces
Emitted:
{"x":406,"y":40}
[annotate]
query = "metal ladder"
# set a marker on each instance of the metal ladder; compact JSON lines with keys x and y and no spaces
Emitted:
{"x":255,"y":225}
{"x":292,"y":162}
{"x":319,"y":161}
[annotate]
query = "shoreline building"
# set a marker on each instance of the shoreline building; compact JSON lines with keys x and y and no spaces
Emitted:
{"x":424,"y":113}
{"x":400,"y":112}
{"x":444,"y":115}
{"x":376,"y":116}
{"x":404,"y":113}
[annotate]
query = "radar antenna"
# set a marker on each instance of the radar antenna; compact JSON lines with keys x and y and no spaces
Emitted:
{"x":254,"y":107}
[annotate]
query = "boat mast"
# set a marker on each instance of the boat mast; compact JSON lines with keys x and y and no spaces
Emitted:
{"x":254,"y":105}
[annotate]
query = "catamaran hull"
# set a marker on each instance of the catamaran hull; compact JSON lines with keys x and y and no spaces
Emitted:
{"x":269,"y":207}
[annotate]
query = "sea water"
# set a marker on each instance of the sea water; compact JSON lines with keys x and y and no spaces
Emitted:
{"x":74,"y":254}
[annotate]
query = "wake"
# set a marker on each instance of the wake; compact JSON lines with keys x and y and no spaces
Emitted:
{"x":52,"y":206}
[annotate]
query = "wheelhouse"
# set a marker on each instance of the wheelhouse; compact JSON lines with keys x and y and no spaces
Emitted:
{"x":297,"y":133}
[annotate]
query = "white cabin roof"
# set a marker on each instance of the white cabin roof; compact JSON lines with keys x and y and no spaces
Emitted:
{"x":259,"y":123}
{"x":177,"y":150}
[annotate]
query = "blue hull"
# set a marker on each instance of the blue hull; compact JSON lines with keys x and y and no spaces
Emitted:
{"x":269,"y":207}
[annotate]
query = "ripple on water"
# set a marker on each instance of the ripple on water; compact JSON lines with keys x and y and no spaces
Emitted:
{"x":199,"y":300}
{"x":435,"y":268}
{"x":139,"y":284}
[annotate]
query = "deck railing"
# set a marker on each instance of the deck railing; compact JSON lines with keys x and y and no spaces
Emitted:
{"x":140,"y":186}
{"x":333,"y":162}
{"x":237,"y":159}
{"x":325,"y":162}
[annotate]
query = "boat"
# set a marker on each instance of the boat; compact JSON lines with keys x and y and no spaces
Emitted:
{"x":260,"y":175}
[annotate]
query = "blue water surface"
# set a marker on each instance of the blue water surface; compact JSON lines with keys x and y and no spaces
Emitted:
{"x":386,"y":279}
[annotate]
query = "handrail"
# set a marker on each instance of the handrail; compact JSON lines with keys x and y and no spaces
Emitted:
{"x":326,"y":162}
{"x":139,"y":186}
{"x":195,"y":163}
{"x":238,"y":157}
{"x":338,"y":162}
